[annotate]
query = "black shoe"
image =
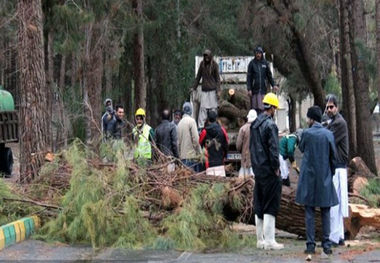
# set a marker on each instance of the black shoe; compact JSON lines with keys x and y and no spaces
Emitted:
{"x":286,"y":182}
{"x":327,"y":251}
{"x":341,"y":242}
{"x":310,"y":250}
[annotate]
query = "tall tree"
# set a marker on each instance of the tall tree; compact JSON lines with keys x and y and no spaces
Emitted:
{"x":378,"y":47}
{"x":34,"y":122}
{"x":361,"y":86}
{"x":138,"y":50}
{"x":348,"y":95}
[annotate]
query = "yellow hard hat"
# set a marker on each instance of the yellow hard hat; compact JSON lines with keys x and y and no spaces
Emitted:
{"x":140,"y":112}
{"x":271,"y":99}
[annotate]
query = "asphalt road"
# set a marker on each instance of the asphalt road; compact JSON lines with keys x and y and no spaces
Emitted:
{"x":33,"y":250}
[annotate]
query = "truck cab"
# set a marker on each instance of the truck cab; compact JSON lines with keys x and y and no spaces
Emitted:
{"x":8,"y":131}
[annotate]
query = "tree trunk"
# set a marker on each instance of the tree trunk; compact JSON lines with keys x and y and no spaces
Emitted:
{"x":108,"y":73}
{"x":378,"y":48}
{"x":62,"y":135}
{"x":292,"y":103}
{"x":85,"y":85}
{"x":51,"y":99}
{"x":94,"y":82}
{"x":348,"y":105}
{"x":34,"y":119}
{"x":138,"y":50}
{"x":361,"y":88}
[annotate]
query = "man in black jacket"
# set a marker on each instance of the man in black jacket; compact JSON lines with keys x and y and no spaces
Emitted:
{"x":166,"y":136}
{"x":117,"y":124}
{"x":264,"y":150}
{"x":215,"y":140}
{"x":258,"y":75}
{"x":338,"y":126}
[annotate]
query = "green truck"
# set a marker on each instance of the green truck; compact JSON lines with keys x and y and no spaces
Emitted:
{"x":8,"y":131}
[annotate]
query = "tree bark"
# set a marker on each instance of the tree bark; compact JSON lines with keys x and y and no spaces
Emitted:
{"x":51,"y":99}
{"x":378,"y":48}
{"x":34,"y":119}
{"x":361,"y":88}
{"x":292,"y":103}
{"x":348,"y":104}
{"x":138,"y":50}
{"x":62,"y":134}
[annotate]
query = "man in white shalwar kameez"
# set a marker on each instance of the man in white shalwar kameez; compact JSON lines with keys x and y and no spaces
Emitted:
{"x":339,"y":128}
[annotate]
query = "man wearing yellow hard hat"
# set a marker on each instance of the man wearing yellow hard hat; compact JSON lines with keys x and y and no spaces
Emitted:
{"x":143,"y":136}
{"x":264,"y":150}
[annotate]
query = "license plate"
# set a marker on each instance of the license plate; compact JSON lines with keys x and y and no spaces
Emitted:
{"x":233,"y":156}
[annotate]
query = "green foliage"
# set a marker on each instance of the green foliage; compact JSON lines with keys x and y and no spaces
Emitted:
{"x":104,"y":207}
{"x":200,"y":224}
{"x":97,"y":208}
{"x":368,"y":56}
{"x":11,"y":210}
{"x":372,"y":192}
{"x":332,"y":85}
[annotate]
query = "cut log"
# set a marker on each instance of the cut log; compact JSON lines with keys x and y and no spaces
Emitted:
{"x":360,"y":215}
{"x":290,"y":218}
{"x":230,"y":111}
{"x":357,"y":170}
{"x":239,"y":98}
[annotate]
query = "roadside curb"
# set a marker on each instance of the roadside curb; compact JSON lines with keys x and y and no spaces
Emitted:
{"x":18,"y":231}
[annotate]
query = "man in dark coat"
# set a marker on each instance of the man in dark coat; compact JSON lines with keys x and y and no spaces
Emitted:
{"x":166,"y":136}
{"x":117,"y":124}
{"x":214,"y":138}
{"x":338,"y":126}
{"x":265,"y":164}
{"x":258,"y":75}
{"x":209,"y":73}
{"x":315,"y":185}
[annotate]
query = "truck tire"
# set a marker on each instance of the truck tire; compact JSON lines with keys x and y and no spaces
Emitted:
{"x":7,"y":161}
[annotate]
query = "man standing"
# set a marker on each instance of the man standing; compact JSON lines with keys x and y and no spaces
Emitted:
{"x":189,"y":149}
{"x":264,"y":157}
{"x":315,"y":186}
{"x":177,"y":117}
{"x":338,"y":127}
{"x":117,"y":124}
{"x":215,"y":140}
{"x":166,"y":138}
{"x":242,"y":145}
{"x":257,"y":76}
{"x":142,"y":135}
{"x":108,"y":116}
{"x":209,"y":73}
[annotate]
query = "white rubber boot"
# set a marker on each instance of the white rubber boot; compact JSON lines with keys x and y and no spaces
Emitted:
{"x":259,"y":233}
{"x":269,"y":232}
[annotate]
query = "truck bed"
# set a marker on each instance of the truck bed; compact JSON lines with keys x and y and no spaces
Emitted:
{"x":8,"y":127}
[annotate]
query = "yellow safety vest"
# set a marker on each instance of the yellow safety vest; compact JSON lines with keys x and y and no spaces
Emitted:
{"x":144,"y":148}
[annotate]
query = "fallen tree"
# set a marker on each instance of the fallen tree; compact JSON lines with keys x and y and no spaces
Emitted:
{"x":119,"y":203}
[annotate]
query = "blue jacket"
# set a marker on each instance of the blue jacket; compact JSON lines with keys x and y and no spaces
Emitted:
{"x":315,"y":185}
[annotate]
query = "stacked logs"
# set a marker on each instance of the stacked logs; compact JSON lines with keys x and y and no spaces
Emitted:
{"x":234,"y":105}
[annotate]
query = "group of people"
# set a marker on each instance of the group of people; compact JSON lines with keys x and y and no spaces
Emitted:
{"x":322,"y":177}
{"x":179,"y":138}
